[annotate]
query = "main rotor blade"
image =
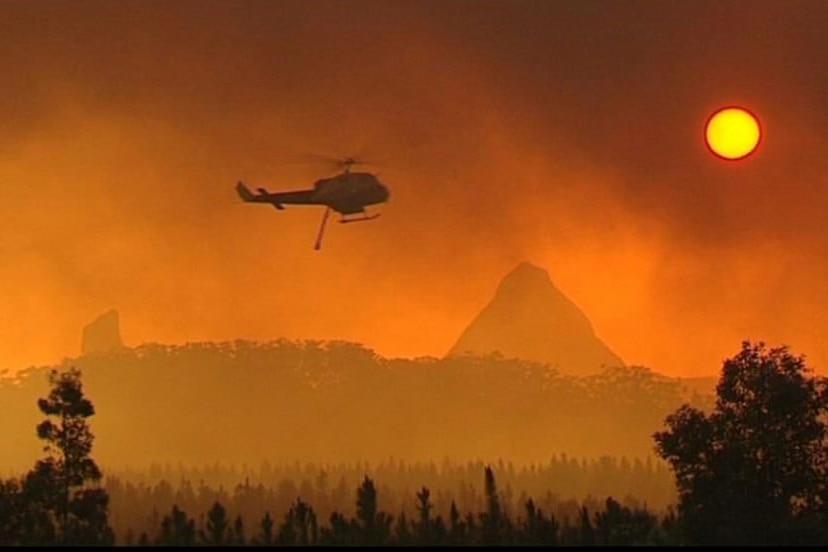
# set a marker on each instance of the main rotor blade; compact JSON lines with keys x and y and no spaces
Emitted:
{"x":337,"y":163}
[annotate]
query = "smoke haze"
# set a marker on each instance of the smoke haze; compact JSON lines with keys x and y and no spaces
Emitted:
{"x":567,"y":134}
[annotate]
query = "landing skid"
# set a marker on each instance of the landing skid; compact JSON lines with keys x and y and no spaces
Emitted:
{"x":361,"y":219}
{"x":318,"y":244}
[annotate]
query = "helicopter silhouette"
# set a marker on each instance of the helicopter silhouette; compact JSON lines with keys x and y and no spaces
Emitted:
{"x":347,"y":193}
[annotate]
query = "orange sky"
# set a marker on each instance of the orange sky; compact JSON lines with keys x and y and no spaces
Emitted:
{"x":565,"y":133}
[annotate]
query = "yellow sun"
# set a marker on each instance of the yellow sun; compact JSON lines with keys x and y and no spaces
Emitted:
{"x":732,"y":133}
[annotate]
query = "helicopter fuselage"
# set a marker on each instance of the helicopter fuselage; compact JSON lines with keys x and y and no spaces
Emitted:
{"x":350,"y":192}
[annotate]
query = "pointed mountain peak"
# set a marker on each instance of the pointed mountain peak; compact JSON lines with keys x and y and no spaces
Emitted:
{"x":526,"y":273}
{"x":530,"y":318}
{"x":527,"y":278}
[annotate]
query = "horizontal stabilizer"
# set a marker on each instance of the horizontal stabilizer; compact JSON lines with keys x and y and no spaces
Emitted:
{"x":244,"y":192}
{"x":262,"y":197}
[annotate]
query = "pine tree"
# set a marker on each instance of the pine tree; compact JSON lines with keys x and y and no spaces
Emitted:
{"x":300,"y":526}
{"x":266,"y":536}
{"x":217,"y":526}
{"x":457,"y":527}
{"x":375,"y":526}
{"x":65,"y":484}
{"x":238,"y":532}
{"x":538,"y":529}
{"x":177,"y":529}
{"x":492,"y":520}
{"x":402,"y":531}
{"x":424,"y":529}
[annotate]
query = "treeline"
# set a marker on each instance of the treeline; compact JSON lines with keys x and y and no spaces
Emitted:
{"x":752,"y":470}
{"x":335,"y":401}
{"x":559,"y":487}
{"x":61,"y":502}
{"x":607,"y":523}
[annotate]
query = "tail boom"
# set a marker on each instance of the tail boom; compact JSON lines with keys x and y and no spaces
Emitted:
{"x":262,"y":197}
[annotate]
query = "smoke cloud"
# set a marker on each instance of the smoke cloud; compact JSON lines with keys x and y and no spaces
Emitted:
{"x":563,"y":133}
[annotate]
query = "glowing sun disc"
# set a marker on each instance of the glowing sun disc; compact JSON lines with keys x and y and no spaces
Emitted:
{"x":732,"y":133}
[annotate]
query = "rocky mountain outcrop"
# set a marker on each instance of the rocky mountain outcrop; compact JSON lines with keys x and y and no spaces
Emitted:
{"x":102,"y":334}
{"x":530,"y":318}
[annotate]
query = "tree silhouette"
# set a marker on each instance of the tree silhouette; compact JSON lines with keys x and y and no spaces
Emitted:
{"x":586,"y":532}
{"x":620,"y":526}
{"x":340,"y":531}
{"x":177,"y":529}
{"x":754,"y":470}
{"x":423,"y":527}
{"x":11,"y":513}
{"x":537,"y":528}
{"x":238,"y":532}
{"x":374,"y":525}
{"x":217,"y":525}
{"x":64,"y":485}
{"x":402,"y":531}
{"x":266,"y":535}
{"x":300,"y":526}
{"x":493,"y":520}
{"x":457,"y":527}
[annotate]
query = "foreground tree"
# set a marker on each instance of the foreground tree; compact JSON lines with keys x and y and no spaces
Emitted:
{"x":754,"y":470}
{"x":63,"y":490}
{"x":11,"y":513}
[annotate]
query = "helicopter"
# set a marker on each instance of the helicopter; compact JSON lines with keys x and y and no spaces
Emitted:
{"x":347,"y":193}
